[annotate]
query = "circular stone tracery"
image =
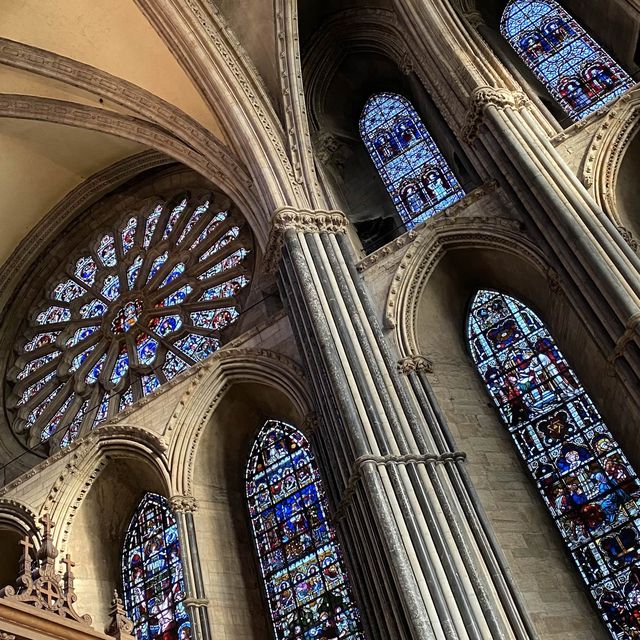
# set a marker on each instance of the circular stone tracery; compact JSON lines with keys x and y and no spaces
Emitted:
{"x":144,"y":303}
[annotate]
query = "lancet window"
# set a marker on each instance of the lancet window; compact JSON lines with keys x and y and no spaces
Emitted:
{"x":139,"y":305}
{"x":304,"y":577}
{"x":584,"y":478}
{"x":409,"y":162}
{"x":152,"y":577}
{"x":577,"y":72}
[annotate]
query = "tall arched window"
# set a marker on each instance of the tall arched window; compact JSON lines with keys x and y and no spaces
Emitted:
{"x":304,"y":577}
{"x":152,"y":578}
{"x":410,"y":164}
{"x":573,"y":67}
{"x":586,"y":481}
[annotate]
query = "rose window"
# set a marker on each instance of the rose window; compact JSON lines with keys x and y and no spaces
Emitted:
{"x":145,"y":302}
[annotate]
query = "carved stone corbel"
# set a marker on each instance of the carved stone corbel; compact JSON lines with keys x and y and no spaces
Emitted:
{"x":302,"y":220}
{"x":415,"y":363}
{"x":183,"y":504}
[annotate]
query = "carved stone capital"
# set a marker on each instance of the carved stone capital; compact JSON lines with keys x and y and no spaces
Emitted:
{"x":415,"y":363}
{"x":183,"y":504}
{"x":303,"y":220}
{"x":194,"y":603}
{"x":485,"y":97}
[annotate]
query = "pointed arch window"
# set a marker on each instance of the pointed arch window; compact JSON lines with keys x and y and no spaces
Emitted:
{"x":577,"y":72}
{"x":152,"y":578}
{"x":414,"y":171}
{"x":586,"y":481}
{"x":303,"y":573}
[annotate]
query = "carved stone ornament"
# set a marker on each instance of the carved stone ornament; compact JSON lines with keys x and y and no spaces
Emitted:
{"x":485,"y":97}
{"x":43,"y":587}
{"x":415,"y":363}
{"x":120,"y":626}
{"x":331,"y":151}
{"x":302,"y":220}
{"x":183,"y":504}
{"x":627,"y":236}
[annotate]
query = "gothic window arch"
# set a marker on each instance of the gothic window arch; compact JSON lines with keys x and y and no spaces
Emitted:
{"x":577,"y":72}
{"x":141,"y":302}
{"x":152,"y":575}
{"x":414,"y":171}
{"x":304,"y":578}
{"x":584,"y":478}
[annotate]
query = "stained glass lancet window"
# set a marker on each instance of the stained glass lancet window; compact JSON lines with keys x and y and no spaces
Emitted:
{"x":586,"y":481}
{"x":304,"y":577}
{"x":409,"y":162}
{"x":577,"y":72}
{"x":152,"y":578}
{"x":145,"y":301}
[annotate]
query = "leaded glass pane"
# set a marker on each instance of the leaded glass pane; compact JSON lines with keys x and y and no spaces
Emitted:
{"x":584,"y":478}
{"x":575,"y":69}
{"x":152,"y":575}
{"x":304,"y":577}
{"x":409,"y":162}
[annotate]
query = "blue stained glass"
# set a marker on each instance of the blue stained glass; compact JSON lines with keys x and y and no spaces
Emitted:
{"x":147,"y":349}
{"x":303,"y":573}
{"x":173,"y":365}
{"x":409,"y":162}
{"x":121,"y":366}
{"x":81,"y":334}
{"x":107,"y":250}
{"x":92,"y":376}
{"x":225,"y":290}
{"x":67,"y":291}
{"x":94,"y":309}
{"x":228,"y":237}
{"x":584,"y":478}
{"x":73,"y":430}
{"x":38,"y":411}
{"x":103,"y":410}
{"x":230,"y":262}
{"x":150,"y":383}
{"x":36,"y":387}
{"x":164,"y":325}
{"x":111,"y":287}
{"x":34,"y":365}
{"x":195,"y":218}
{"x":150,"y":227}
{"x":129,"y":235}
{"x":575,"y":69}
{"x":176,"y":272}
{"x":152,"y":574}
{"x":216,"y":220}
{"x":53,"y":315}
{"x":54,"y":423}
{"x":157,"y":265}
{"x":80,"y":358}
{"x":197,"y":347}
{"x":214,"y":318}
{"x":41,"y":340}
{"x":126,"y":399}
{"x":133,"y":271}
{"x":173,"y":218}
{"x":86,"y":270}
{"x":177,"y":297}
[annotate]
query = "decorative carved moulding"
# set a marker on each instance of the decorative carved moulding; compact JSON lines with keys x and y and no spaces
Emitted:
{"x":414,"y":364}
{"x":302,"y":220}
{"x":484,"y":97}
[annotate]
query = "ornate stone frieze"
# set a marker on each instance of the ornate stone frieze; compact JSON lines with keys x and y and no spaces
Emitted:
{"x":303,"y":220}
{"x":415,"y":363}
{"x":183,"y":504}
{"x":120,"y":626}
{"x":484,"y":98}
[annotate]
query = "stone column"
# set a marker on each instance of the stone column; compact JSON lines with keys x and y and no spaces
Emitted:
{"x":196,"y":601}
{"x":421,"y":564}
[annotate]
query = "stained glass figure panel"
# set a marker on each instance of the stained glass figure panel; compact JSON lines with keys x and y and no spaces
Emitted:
{"x":152,"y":575}
{"x":584,"y":478}
{"x":304,"y":577}
{"x":577,"y":72}
{"x":414,"y":171}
